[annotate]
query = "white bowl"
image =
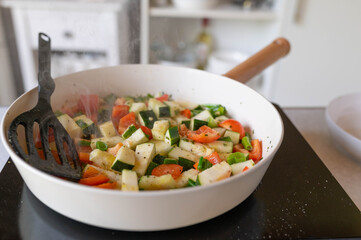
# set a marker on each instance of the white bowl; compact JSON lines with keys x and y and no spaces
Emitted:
{"x":343,"y":116}
{"x":152,"y":210}
{"x":222,"y":61}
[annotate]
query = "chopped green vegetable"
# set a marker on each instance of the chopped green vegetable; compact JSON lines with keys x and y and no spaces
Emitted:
{"x":215,"y":109}
{"x":101,"y":146}
{"x":203,"y":164}
{"x":150,"y":168}
{"x":82,"y":124}
{"x":192,"y":183}
{"x":185,"y":163}
{"x":159,"y":159}
{"x":225,"y":139}
{"x":170,"y":161}
{"x":236,"y":157}
{"x":246,"y":142}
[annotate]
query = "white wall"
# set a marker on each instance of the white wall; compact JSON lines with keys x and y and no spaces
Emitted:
{"x":325,"y":59}
{"x":7,"y":89}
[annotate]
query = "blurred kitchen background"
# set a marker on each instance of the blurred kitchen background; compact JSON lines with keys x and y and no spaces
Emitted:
{"x":212,"y":35}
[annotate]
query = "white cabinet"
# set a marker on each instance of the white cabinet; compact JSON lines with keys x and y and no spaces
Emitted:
{"x":232,"y":28}
{"x":85,"y":34}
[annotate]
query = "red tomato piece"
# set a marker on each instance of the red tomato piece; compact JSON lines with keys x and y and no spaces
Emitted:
{"x":239,"y":148}
{"x":84,"y":157}
{"x":234,"y":126}
{"x":125,"y":122}
{"x":187,"y":113}
{"x":163,"y":98}
{"x":174,"y":169}
{"x":108,"y":185}
{"x":118,"y":112}
{"x":204,"y":134}
{"x":94,"y":180}
{"x":90,"y":172}
{"x":256,"y":153}
{"x":214,"y":158}
{"x":147,"y":131}
{"x":183,"y":130}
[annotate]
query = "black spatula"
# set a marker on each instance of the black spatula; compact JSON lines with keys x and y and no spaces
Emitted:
{"x":68,"y":164}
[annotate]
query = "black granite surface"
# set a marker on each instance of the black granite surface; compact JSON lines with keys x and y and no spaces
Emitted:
{"x":297,"y":198}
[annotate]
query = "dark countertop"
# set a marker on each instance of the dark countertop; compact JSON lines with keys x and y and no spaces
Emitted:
{"x":297,"y":198}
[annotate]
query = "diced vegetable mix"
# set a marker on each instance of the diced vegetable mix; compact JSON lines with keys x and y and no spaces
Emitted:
{"x":154,"y":143}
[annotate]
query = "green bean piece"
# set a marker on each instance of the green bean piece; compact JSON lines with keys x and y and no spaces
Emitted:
{"x":101,"y":146}
{"x":246,"y":142}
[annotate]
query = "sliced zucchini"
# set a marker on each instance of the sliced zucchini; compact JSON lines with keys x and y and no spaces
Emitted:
{"x":205,"y":115}
{"x":159,"y":108}
{"x":239,"y":167}
{"x":157,"y":183}
{"x":220,"y":131}
{"x":170,"y":161}
{"x":220,"y":119}
{"x":107,"y":129}
{"x":147,"y":118}
{"x":182,"y":180}
{"x":172,"y":135}
{"x":70,"y":126}
{"x":160,"y":128}
{"x":150,"y":168}
{"x":111,"y":141}
{"x":187,"y":123}
{"x":215,"y":173}
{"x":129,"y":131}
{"x":137,"y":107}
{"x":196,"y":124}
{"x":102,"y":159}
{"x":86,"y":124}
{"x":233,"y":135}
{"x":161,"y":147}
{"x":175,"y":108}
{"x":198,"y":149}
{"x":125,"y":159}
{"x":221,"y":146}
{"x":185,"y":163}
{"x":144,"y":153}
{"x":158,"y":159}
{"x":178,"y":152}
{"x":138,"y":137}
{"x":129,"y":181}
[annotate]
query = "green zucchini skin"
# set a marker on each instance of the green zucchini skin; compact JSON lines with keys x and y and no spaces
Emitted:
{"x":185,"y":163}
{"x":172,"y":135}
{"x":147,"y":118}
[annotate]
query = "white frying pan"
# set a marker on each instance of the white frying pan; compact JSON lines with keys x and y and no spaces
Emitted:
{"x":159,"y":210}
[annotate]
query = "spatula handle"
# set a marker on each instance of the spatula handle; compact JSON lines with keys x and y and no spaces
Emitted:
{"x":46,"y":83}
{"x":259,"y":61}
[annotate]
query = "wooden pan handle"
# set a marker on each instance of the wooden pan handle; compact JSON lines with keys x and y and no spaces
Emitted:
{"x":259,"y":61}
